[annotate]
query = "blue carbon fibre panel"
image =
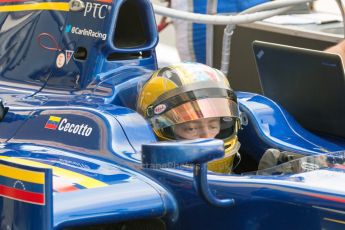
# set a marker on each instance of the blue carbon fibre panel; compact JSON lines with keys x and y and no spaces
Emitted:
{"x":260,"y":203}
{"x":93,"y":151}
{"x":258,"y":199}
{"x":114,"y":201}
{"x":270,"y":126}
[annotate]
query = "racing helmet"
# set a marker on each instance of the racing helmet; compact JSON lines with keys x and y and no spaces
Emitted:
{"x":192,"y":100}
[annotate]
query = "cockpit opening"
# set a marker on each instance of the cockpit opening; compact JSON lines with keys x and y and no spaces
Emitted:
{"x":128,"y":56}
{"x":132,"y":27}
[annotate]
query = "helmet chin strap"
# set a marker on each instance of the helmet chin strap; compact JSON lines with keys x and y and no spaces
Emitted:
{"x":238,"y":155}
{"x":236,"y":148}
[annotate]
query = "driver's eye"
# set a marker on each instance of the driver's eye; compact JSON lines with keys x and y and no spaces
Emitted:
{"x":190,"y":129}
{"x":214,"y":127}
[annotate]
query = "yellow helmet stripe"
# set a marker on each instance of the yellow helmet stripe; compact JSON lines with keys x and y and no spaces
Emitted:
{"x":59,"y":6}
{"x":77,"y":178}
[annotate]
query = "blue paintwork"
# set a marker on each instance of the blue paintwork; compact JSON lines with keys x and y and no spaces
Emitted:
{"x":203,"y":189}
{"x":94,"y":147}
{"x":181,"y":152}
{"x":197,"y":152}
{"x":269,"y":125}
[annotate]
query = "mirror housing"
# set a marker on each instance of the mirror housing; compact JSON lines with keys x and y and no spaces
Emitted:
{"x":175,"y":153}
{"x":197,"y":152}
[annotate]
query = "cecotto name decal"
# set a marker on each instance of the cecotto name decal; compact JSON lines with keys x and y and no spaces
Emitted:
{"x":62,"y":124}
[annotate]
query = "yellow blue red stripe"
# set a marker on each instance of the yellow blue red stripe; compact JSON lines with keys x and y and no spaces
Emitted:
{"x":22,"y":184}
{"x":73,"y":177}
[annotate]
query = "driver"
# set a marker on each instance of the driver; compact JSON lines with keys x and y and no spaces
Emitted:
{"x":189,"y":101}
{"x":203,"y":128}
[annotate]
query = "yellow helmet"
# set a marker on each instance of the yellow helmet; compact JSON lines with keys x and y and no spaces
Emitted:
{"x":192,"y":100}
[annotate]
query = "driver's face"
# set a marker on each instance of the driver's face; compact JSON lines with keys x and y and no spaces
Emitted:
{"x":203,"y":128}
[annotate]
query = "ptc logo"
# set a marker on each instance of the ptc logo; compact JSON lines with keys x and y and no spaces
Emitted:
{"x":68,"y":28}
{"x":97,"y":10}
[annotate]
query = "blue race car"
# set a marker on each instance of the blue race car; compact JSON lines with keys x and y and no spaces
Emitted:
{"x":76,"y":155}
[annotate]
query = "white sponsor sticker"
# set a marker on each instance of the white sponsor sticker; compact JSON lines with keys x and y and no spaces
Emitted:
{"x":69,"y":54}
{"x":60,"y":60}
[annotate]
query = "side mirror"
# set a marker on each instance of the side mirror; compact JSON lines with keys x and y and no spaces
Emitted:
{"x":197,"y":152}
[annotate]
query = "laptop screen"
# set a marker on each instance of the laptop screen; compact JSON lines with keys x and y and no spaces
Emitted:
{"x":309,"y":84}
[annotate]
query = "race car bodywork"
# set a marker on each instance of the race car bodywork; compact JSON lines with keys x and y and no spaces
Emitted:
{"x":71,"y":140}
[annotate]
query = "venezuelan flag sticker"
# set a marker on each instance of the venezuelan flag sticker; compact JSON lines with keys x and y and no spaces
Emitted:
{"x":22,"y":183}
{"x":52,"y":123}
